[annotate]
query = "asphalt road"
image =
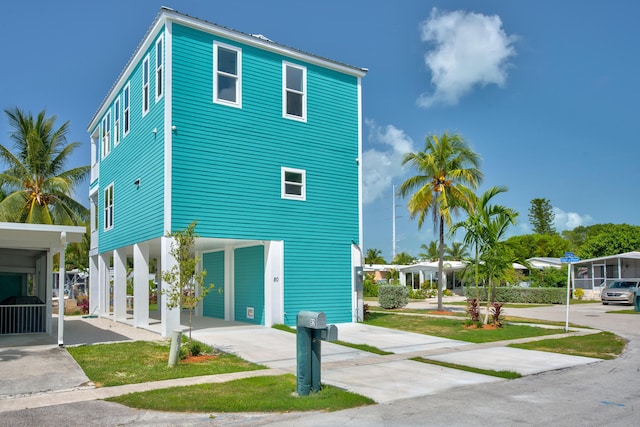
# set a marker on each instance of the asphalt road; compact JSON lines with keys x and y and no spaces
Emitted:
{"x":600,"y":394}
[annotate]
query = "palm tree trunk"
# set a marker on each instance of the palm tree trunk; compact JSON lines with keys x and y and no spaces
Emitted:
{"x":440,"y":264}
{"x":477,"y":288}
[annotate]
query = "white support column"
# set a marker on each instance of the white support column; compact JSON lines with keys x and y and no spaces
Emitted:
{"x":273,"y":283}
{"x":94,"y":284}
{"x":49,"y":279}
{"x":103,"y":284}
{"x":170,"y":318}
{"x":61,"y":279}
{"x":119,"y":285}
{"x":229,"y":299}
{"x":141,"y":285}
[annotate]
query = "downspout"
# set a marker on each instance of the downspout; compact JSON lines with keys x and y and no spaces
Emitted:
{"x":61,"y":280}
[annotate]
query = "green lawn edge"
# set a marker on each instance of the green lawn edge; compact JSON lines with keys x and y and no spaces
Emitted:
{"x":509,"y":375}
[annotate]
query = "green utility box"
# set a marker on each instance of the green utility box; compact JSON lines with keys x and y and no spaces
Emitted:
{"x":636,"y":300}
{"x":312,"y":329}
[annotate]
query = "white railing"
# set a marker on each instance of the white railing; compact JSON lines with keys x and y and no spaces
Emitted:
{"x":22,"y":319}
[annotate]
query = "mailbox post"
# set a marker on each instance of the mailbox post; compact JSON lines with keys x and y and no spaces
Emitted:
{"x":311,"y":330}
{"x":636,"y":300}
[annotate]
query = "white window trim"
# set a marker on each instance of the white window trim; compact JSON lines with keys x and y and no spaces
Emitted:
{"x":284,"y":194}
{"x":117,"y":118}
{"x":108,"y":209}
{"x":145,"y":86}
{"x":159,"y":68}
{"x":126,"y":111}
{"x":286,"y":64}
{"x":105,"y":135}
{"x":238,"y":77}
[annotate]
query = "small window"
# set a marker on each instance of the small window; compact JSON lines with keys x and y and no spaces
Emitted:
{"x":145,"y":86}
{"x":227,"y":81}
{"x":116,"y":122}
{"x":294,"y":93}
{"x":293,"y":184}
{"x":159,"y":67}
{"x":125,"y":113}
{"x":106,"y":134}
{"x":108,"y":208}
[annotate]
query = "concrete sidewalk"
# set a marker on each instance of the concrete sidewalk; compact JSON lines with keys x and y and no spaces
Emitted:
{"x":382,"y":378}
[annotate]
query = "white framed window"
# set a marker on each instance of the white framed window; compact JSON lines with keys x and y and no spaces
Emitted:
{"x":106,"y":134}
{"x":126,"y":116}
{"x":145,"y":85}
{"x":294,"y":91}
{"x":294,"y":184}
{"x":116,"y":122}
{"x":159,"y":67}
{"x":227,"y":79}
{"x":108,"y":207}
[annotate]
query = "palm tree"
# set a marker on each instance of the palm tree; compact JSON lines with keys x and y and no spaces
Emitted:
{"x":403,"y":258}
{"x":37,"y":188}
{"x":374,"y":256}
{"x":479,"y":215}
{"x":456,"y":252}
{"x":445,"y":168}
{"x":430,"y":252}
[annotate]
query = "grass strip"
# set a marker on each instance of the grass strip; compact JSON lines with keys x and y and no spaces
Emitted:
{"x":255,"y":394}
{"x":623,"y":312}
{"x":509,"y":375}
{"x":363,"y":347}
{"x":143,"y":361}
{"x":454,"y":328}
{"x":603,"y":345}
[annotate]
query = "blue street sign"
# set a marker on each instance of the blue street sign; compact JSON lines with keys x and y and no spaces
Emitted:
{"x":570,"y":259}
{"x":569,"y":255}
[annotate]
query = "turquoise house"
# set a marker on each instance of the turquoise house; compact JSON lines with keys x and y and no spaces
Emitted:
{"x":261,"y":144}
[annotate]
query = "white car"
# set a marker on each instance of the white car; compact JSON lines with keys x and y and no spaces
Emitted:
{"x":622,"y":291}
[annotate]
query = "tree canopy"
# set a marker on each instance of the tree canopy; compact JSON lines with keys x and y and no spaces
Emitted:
{"x":37,"y":188}
{"x":541,"y":216}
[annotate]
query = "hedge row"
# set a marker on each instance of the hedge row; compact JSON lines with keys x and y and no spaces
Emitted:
{"x":517,"y":294}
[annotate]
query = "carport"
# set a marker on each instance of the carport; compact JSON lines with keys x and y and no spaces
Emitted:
{"x":596,"y":273}
{"x":26,"y":275}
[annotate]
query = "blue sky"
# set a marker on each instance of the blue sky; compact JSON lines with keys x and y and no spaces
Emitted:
{"x":545,"y":91}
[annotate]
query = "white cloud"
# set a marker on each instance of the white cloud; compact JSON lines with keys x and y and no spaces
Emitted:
{"x":569,"y":220}
{"x":469,"y":49}
{"x":381,"y":166}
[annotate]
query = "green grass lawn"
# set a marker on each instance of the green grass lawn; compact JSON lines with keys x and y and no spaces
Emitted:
{"x":453,"y":328}
{"x":143,"y":361}
{"x":603,"y":345}
{"x":256,"y":394}
{"x":629,"y":311}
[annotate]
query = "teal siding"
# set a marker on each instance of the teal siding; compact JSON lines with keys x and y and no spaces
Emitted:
{"x":138,"y":211}
{"x":249,"y":283}
{"x":227,"y":161}
{"x":213,"y":302}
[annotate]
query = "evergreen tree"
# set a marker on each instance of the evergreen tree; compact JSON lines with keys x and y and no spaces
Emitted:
{"x":541,"y":216}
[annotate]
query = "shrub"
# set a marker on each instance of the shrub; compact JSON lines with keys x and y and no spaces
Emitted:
{"x":194,"y":348}
{"x":365,"y":311}
{"x":473,"y":309}
{"x":84,"y":305}
{"x":447,"y":293}
{"x":392,"y":296}
{"x":578,"y":293}
{"x":496,"y":313}
{"x":370,"y":288}
{"x":417,"y":294}
{"x":516,"y":294}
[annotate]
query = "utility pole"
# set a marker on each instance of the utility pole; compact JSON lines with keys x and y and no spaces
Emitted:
{"x":393,"y":221}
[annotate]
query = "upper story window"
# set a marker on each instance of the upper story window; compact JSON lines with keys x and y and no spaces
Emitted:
{"x":293,"y":184}
{"x":145,"y":85}
{"x":108,"y":207}
{"x":125,"y":114}
{"x":159,"y":67}
{"x":116,"y":122}
{"x":294,"y":91}
{"x":106,"y":134}
{"x":227,"y":79}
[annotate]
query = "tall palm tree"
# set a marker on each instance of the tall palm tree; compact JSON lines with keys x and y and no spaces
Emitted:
{"x":430,"y":251}
{"x":374,"y":256}
{"x":446,"y":167}
{"x":456,"y":252}
{"x":479,"y":216}
{"x":403,"y":258}
{"x":37,"y":188}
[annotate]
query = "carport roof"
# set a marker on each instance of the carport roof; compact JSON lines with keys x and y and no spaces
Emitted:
{"x":37,"y":236}
{"x":626,"y":255}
